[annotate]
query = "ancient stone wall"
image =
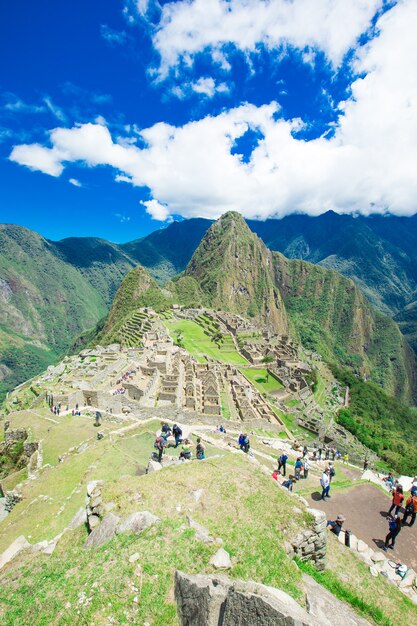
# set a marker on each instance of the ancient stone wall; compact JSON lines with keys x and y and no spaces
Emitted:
{"x":310,"y":545}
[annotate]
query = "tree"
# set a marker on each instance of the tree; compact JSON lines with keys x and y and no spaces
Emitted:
{"x":267,"y":359}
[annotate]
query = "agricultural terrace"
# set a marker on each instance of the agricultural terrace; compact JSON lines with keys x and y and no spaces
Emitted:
{"x":264,"y":382}
{"x":200,"y":342}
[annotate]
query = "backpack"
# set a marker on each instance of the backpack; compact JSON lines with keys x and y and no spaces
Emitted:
{"x":410,"y":507}
{"x":332,"y":471}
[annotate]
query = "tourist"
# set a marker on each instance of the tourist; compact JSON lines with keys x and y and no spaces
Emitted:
{"x":397,"y":500}
{"x":185,"y":453}
{"x":282,"y":463}
{"x":199,"y":451}
{"x":314,"y":453}
{"x":336,"y":525}
{"x":159,"y":445}
{"x":333,"y":454}
{"x":346,"y":458}
{"x":306,"y":468}
{"x":389,"y":481}
{"x":365,"y":464}
{"x":325,"y":484}
{"x":287,"y":484}
{"x":332,"y":471}
{"x":244,"y":442}
{"x":222,"y":429}
{"x":410,"y":509}
{"x":177,"y":432}
{"x":165,"y":430}
{"x":414,"y":487}
{"x":297,"y":467}
{"x":319,"y":452}
{"x":275,"y":474}
{"x":394,"y":529}
{"x":327,"y":453}
{"x":305,"y":452}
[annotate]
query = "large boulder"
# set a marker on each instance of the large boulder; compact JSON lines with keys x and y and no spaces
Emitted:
{"x":104,"y":532}
{"x":328,"y":610}
{"x":210,"y":601}
{"x":137,"y":522}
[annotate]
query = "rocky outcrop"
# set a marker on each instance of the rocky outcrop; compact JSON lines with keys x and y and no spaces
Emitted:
{"x":218,"y":601}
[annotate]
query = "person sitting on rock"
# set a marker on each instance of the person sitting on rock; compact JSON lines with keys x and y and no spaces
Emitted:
{"x":397,"y":500}
{"x":177,"y":432}
{"x":394,"y":529}
{"x":389,"y":480}
{"x":336,"y":525}
{"x":288,"y":484}
{"x":199,"y":450}
{"x":186,"y":450}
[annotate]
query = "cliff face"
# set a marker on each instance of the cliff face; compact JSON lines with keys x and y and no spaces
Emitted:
{"x":235,"y":272}
{"x":331,"y":315}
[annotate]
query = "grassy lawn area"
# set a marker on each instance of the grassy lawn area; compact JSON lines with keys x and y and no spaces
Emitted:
{"x":225,"y":405}
{"x":290,"y":402}
{"x":259,"y":378}
{"x":197,"y":343}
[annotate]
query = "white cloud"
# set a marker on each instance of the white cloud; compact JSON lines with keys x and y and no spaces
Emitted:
{"x":113,"y":37}
{"x":205,"y":86}
{"x":157,"y":211}
{"x":55,"y":110}
{"x":122,"y":218}
{"x":369,"y":164}
{"x":188,"y":27}
{"x":17,"y":105}
{"x":75,"y":182}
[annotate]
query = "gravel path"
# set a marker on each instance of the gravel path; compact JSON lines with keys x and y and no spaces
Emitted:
{"x":365,"y":508}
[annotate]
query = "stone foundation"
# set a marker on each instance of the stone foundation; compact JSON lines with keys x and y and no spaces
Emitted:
{"x":310,"y":545}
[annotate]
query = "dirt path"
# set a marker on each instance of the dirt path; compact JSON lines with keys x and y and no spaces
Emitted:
{"x":365,"y":508}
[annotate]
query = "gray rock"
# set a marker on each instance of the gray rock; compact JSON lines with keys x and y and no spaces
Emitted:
{"x":79,"y":518}
{"x":201,"y":533}
{"x":327,"y":609}
{"x":13,"y":550}
{"x":213,"y":600}
{"x":137,"y":522}
{"x":221,"y":560}
{"x":153,"y":466}
{"x":104,"y":532}
{"x":92,"y":484}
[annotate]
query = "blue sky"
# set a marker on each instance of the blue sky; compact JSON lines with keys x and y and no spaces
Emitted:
{"x":117,"y":117}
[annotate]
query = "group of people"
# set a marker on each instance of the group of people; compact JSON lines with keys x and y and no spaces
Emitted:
{"x":395,"y":522}
{"x":161,"y":442}
{"x":244,"y":443}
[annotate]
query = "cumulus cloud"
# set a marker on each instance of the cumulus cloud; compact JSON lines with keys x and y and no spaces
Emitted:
{"x":189,"y":27}
{"x":157,"y":211}
{"x":368,"y":165}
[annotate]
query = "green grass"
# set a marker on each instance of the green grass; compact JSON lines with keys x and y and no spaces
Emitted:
{"x":197,"y":343}
{"x":225,"y":405}
{"x":261,"y":380}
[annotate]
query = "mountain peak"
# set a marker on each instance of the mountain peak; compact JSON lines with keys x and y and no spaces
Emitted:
{"x":234,"y":270}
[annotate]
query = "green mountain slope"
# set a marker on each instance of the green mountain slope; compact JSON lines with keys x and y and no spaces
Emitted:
{"x":332,"y":316}
{"x":234,"y":270}
{"x":167,"y":251}
{"x":45,"y":302}
{"x":407,"y":321}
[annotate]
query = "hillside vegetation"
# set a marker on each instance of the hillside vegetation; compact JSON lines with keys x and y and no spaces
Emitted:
{"x":381,"y":422}
{"x":332,"y":316}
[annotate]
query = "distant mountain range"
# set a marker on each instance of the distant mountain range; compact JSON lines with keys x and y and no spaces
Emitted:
{"x":51,"y":292}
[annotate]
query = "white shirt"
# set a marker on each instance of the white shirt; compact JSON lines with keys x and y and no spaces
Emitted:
{"x":325,"y":480}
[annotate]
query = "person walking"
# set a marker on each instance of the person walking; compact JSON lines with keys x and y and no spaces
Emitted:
{"x":397,"y":500}
{"x":305,"y":452}
{"x":306,"y":468}
{"x":297,"y":467}
{"x":410,"y":509}
{"x":394,"y":529}
{"x":332,"y":471}
{"x":282,"y":463}
{"x":325,"y":484}
{"x":177,"y":432}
